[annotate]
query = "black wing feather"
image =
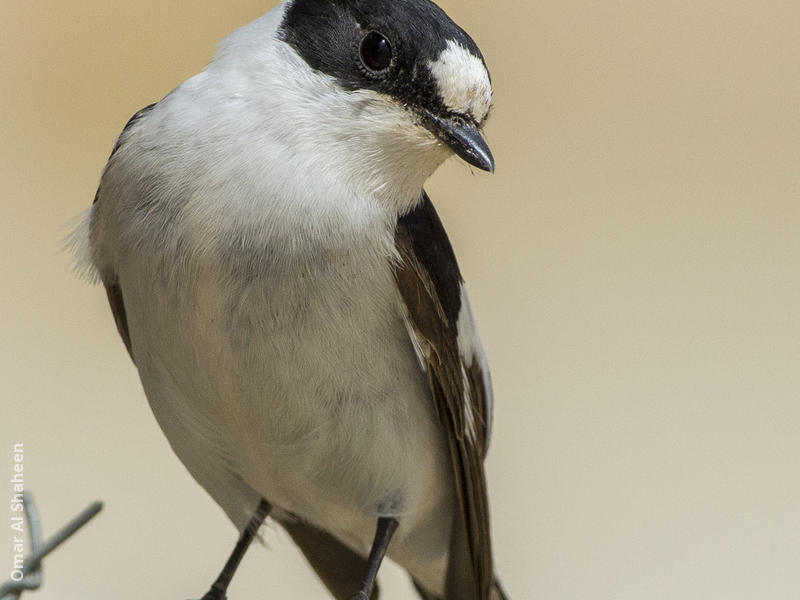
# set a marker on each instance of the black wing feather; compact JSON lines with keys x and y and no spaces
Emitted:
{"x":430,"y":283}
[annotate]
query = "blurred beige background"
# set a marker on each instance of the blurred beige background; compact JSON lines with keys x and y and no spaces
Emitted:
{"x":634,"y":265}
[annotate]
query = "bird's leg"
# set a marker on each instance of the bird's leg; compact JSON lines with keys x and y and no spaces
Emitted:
{"x":383,"y":535}
{"x":219,"y":589}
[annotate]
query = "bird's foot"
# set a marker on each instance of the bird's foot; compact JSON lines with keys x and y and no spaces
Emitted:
{"x":383,"y":535}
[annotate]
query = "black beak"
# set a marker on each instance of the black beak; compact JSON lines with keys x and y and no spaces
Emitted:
{"x":463,"y":137}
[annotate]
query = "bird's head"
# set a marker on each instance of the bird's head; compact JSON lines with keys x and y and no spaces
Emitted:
{"x":404,"y":54}
{"x":372,"y":95}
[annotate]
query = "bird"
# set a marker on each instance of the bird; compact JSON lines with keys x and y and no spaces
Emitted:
{"x":291,"y":300}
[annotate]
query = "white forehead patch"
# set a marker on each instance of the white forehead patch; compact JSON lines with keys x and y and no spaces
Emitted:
{"x":462,"y":81}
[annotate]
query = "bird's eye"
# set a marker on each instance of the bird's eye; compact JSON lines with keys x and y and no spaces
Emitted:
{"x":376,"y":51}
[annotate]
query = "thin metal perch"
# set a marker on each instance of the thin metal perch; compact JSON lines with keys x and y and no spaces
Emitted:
{"x":32,"y":566}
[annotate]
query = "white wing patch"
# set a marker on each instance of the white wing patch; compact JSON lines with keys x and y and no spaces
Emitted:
{"x":468,"y":341}
{"x":469,"y":408}
{"x":462,"y":81}
{"x":416,"y":343}
{"x":471,"y":349}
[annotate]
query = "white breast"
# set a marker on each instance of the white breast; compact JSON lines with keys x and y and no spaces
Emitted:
{"x":297,"y":378}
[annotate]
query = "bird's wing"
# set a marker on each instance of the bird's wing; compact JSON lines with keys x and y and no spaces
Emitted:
{"x":441,"y":326}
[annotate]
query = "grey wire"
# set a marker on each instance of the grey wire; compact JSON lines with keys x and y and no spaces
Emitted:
{"x":11,"y":590}
{"x":63,"y":534}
